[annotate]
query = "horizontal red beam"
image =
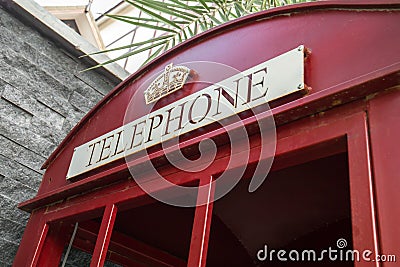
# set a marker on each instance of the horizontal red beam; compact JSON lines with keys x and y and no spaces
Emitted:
{"x":129,"y":190}
{"x":304,"y":106}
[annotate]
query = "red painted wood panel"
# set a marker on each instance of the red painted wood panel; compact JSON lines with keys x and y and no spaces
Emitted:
{"x":104,"y":236}
{"x":384,"y":121}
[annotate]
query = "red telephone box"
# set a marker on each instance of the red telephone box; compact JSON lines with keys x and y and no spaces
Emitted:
{"x":333,"y":183}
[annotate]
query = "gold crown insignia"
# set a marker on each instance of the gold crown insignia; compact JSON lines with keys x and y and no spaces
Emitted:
{"x":173,"y":78}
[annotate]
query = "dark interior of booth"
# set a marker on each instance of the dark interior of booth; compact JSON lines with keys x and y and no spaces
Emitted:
{"x":302,"y":207}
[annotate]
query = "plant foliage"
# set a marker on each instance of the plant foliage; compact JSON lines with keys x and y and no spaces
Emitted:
{"x":178,"y":20}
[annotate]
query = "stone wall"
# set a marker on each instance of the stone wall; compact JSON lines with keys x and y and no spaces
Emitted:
{"x":43,"y":94}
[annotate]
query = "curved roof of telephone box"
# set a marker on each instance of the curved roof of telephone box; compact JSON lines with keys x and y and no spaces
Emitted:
{"x":268,"y":14}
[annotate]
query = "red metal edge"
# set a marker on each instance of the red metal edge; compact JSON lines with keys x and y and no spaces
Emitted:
{"x":39,"y":247}
{"x":104,"y":236}
{"x":268,"y":14}
{"x":202,"y":224}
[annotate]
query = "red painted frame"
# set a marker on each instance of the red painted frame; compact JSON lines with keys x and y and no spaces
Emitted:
{"x":384,"y":127}
{"x":339,"y":130}
{"x":355,"y":114}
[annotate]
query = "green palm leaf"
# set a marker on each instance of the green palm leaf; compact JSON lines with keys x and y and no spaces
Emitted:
{"x":133,"y":45}
{"x":146,"y":25}
{"x":179,"y":20}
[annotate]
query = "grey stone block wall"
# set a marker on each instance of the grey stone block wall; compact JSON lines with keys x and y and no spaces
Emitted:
{"x":43,"y":94}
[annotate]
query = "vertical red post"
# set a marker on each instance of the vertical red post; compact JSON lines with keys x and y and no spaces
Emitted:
{"x":39,"y":247}
{"x":202,"y":224}
{"x":384,"y":118}
{"x":104,"y":236}
{"x":362,"y":194}
{"x":32,"y":242}
{"x":50,"y":251}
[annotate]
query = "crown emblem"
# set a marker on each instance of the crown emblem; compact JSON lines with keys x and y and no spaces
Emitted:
{"x":172,"y":79}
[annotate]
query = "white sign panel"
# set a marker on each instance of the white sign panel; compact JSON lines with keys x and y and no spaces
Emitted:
{"x":267,"y":81}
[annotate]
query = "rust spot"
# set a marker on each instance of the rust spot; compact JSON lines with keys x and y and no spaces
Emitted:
{"x":307,"y":52}
{"x":307,"y":89}
{"x":371,"y":96}
{"x":336,"y":102}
